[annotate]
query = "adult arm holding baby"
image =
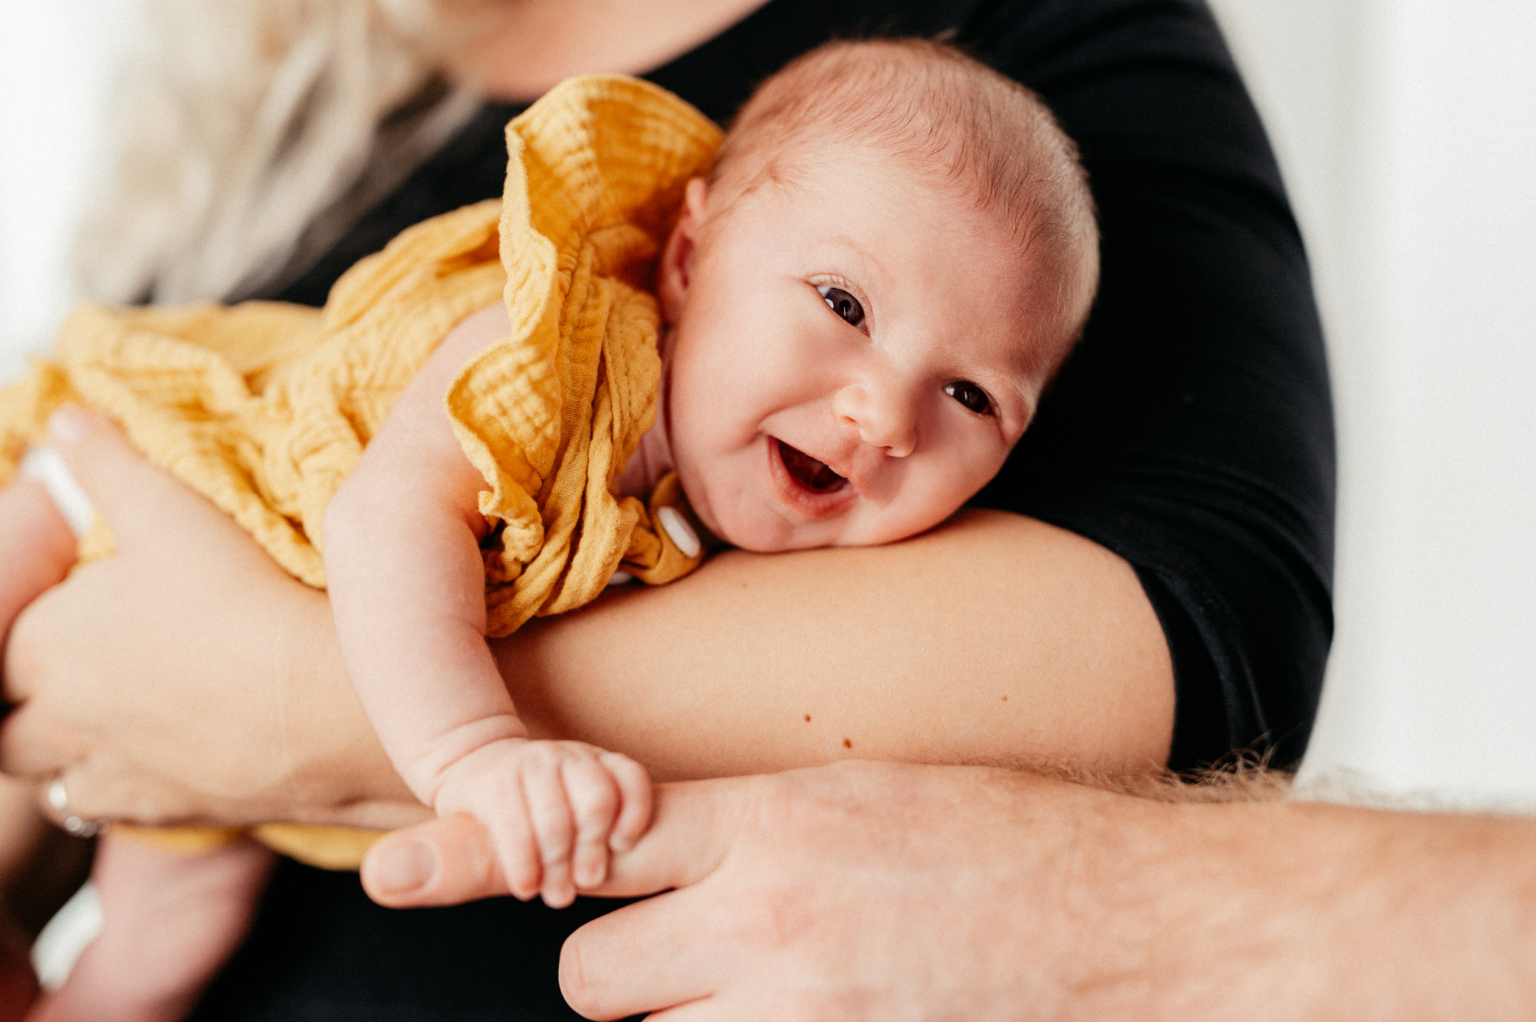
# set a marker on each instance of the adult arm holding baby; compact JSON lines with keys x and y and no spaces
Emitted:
{"x":293,"y":697}
{"x":996,"y":638}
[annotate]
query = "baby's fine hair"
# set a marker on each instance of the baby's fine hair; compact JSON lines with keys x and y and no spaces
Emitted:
{"x":943,"y":113}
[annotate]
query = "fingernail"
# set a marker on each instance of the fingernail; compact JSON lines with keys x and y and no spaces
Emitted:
{"x":68,"y":425}
{"x":402,"y":865}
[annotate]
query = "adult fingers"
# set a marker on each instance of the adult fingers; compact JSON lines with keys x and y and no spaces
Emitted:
{"x":444,"y":861}
{"x":705,"y":1009}
{"x":453,"y":859}
{"x":122,"y":486}
{"x":36,"y":546}
{"x":664,"y":951}
{"x":31,"y":746}
{"x":134,"y":497}
{"x":101,"y":788}
{"x":693,"y":826}
{"x":646,"y":957}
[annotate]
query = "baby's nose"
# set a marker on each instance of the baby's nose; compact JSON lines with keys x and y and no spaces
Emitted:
{"x":884,"y":416}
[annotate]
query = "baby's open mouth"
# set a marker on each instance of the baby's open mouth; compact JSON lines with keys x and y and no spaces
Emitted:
{"x":807,"y":471}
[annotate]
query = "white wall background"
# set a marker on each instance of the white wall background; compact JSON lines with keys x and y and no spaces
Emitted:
{"x":1407,"y":133}
{"x":56,"y":72}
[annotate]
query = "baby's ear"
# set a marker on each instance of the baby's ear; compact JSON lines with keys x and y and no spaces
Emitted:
{"x":676,"y":270}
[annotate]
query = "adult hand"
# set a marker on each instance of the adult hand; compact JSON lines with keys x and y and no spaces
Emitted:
{"x":862,"y":891}
{"x":859,"y":890}
{"x":878,"y":891}
{"x":158,"y":683}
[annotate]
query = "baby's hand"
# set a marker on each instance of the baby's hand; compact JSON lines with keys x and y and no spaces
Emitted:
{"x":554,"y":811}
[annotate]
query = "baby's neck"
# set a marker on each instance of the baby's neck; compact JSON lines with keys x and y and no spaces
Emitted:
{"x":652,"y":459}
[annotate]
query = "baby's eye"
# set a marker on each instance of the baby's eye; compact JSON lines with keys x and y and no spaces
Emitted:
{"x":970,"y":395}
{"x":842,"y":303}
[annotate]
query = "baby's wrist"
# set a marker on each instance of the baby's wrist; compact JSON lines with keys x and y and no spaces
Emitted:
{"x":456,"y":752}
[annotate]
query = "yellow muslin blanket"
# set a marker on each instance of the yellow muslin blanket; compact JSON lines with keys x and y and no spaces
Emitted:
{"x":264,"y":408}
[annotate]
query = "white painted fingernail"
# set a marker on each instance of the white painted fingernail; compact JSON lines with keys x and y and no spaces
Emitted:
{"x":620,"y":578}
{"x":68,"y":425}
{"x":681,"y":532}
{"x":44,"y":466}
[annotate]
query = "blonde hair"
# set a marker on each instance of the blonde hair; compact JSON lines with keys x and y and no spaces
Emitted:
{"x":252,"y":133}
{"x":941,"y":113}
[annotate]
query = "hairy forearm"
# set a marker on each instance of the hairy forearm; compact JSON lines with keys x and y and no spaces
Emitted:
{"x":1320,"y":912}
{"x":796,"y":894}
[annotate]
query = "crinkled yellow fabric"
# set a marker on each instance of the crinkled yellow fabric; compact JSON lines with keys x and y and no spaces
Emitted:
{"x":265,"y":408}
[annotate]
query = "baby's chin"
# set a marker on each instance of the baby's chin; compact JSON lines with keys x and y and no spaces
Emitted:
{"x":762,"y":530}
{"x":765,"y":530}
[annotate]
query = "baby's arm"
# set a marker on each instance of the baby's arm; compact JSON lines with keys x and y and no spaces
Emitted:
{"x":407,"y":589}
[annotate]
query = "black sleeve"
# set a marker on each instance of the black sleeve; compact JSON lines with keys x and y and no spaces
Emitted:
{"x":1191,"y":432}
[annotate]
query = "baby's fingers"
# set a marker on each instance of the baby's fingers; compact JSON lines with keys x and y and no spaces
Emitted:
{"x":553,"y":825}
{"x":594,"y":797}
{"x":516,"y":839}
{"x":634,"y":800}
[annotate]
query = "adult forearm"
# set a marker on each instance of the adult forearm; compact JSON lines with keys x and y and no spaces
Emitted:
{"x":871,"y":891}
{"x":995,"y":639}
{"x":1330,"y":912}
{"x":212,"y":684}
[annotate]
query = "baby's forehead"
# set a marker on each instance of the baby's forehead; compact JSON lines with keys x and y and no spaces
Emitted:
{"x":881,"y":207}
{"x":940,"y":118}
{"x":920,"y":252}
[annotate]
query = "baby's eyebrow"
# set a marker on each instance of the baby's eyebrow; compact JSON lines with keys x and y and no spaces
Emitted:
{"x":868,"y":261}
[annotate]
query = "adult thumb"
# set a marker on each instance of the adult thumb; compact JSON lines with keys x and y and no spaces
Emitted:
{"x":444,"y":861}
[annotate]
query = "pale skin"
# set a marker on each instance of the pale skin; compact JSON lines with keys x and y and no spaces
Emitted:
{"x":880,"y":891}
{"x":1052,"y":621}
{"x":708,"y":656}
{"x":407,"y":584}
{"x":221,"y":885}
{"x":881,"y":346}
{"x":1387,"y":916}
{"x":833,"y":381}
{"x":1184,"y":912}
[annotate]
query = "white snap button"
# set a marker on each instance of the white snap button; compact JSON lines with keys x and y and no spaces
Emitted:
{"x":681,"y":532}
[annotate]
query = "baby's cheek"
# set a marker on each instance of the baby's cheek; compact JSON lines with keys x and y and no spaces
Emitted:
{"x":941,"y":494}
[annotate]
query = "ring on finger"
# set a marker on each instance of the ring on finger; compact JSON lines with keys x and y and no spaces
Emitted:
{"x":73,"y":824}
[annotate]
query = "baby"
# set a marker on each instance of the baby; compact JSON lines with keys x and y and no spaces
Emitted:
{"x":861,"y":305}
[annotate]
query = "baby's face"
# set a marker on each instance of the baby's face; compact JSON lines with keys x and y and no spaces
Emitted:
{"x":846,"y":360}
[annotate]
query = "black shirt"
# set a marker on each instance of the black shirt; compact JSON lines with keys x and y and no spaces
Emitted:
{"x":1191,"y":433}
